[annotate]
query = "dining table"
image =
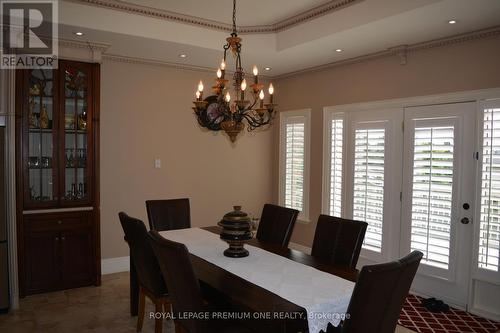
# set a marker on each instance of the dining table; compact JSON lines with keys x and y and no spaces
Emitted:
{"x":252,"y":298}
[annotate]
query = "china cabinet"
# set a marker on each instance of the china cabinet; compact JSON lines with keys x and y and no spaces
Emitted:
{"x":57,"y":176}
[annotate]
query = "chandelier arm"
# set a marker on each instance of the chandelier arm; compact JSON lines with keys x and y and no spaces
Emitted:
{"x":252,"y":124}
{"x":255,"y":122}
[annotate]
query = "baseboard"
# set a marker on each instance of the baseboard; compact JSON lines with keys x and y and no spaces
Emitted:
{"x":115,"y":265}
{"x":300,"y":247}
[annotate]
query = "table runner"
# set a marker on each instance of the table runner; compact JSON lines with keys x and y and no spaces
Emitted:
{"x":324,"y":296}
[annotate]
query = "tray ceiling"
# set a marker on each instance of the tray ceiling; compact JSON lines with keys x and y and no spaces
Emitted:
{"x":148,"y":29}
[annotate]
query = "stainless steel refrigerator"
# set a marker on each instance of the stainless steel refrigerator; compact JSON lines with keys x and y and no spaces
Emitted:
{"x":4,"y":265}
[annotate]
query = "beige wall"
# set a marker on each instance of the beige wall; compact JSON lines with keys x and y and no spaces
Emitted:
{"x":467,"y":66}
{"x":146,"y":114}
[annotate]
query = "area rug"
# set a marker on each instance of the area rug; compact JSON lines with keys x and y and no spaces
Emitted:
{"x":415,"y":317}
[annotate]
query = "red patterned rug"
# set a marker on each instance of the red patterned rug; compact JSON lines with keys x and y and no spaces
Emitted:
{"x":415,"y":317}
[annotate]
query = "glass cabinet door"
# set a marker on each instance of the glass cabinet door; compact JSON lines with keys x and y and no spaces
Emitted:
{"x":76,"y":113}
{"x":41,"y":186}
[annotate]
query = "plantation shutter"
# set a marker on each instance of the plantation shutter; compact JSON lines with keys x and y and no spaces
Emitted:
{"x":294,"y":162}
{"x":489,"y":228}
{"x":368,"y":195}
{"x":336,"y":130}
{"x":432,"y":194}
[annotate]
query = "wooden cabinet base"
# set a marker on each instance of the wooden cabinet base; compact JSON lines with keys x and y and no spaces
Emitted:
{"x":59,"y":251}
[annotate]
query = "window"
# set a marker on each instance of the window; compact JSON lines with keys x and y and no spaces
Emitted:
{"x":432,"y":194}
{"x":294,"y":161}
{"x":334,"y":136}
{"x":489,"y":228}
{"x":368,"y":195}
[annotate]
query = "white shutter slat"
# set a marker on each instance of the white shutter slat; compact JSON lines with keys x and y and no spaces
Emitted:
{"x":336,"y":129}
{"x":369,"y":173}
{"x":294,"y":165}
{"x":432,"y":194}
{"x":489,"y":228}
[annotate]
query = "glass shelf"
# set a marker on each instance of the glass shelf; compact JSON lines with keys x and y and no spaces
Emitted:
{"x":40,"y":130}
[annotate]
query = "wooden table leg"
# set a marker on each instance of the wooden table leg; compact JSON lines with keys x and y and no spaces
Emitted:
{"x":134,"y":290}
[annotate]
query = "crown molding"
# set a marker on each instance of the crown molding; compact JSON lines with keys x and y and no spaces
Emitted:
{"x":95,"y":46}
{"x":145,"y":61}
{"x":151,"y":62}
{"x":308,"y":15}
{"x":403,"y":51}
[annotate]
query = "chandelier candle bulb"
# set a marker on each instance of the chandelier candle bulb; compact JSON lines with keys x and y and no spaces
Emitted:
{"x":255,"y":74}
{"x":228,"y":97}
{"x":261,"y":96}
{"x":198,"y":94}
{"x":243,"y":87}
{"x":271,"y":92}
{"x":200,"y":89}
{"x":219,"y":73}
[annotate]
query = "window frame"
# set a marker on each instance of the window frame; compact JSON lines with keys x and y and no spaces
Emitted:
{"x":284,"y":117}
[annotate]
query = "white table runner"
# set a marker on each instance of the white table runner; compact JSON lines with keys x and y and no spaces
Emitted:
{"x":324,"y":296}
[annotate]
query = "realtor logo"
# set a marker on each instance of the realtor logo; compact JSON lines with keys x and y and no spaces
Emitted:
{"x":29,"y":34}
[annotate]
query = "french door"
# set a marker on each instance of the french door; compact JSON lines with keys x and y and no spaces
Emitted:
{"x":438,"y":197}
{"x":373,"y":178}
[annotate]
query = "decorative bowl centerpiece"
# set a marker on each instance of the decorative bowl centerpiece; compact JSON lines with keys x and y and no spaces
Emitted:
{"x":235,"y":231}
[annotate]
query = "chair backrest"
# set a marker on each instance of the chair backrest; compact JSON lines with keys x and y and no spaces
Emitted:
{"x":168,"y":214}
{"x":338,"y":240}
{"x":379,"y":295}
{"x":142,"y":255}
{"x":184,"y":287}
{"x":276,"y":224}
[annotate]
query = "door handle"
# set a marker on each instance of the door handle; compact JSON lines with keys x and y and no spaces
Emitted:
{"x":465,"y":220}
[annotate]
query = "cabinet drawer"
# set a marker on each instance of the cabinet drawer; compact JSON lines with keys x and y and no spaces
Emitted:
{"x":57,"y":221}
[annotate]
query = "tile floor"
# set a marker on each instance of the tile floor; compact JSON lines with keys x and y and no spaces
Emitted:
{"x":90,"y":309}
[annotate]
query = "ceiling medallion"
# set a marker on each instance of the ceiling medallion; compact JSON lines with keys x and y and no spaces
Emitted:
{"x":217,"y":112}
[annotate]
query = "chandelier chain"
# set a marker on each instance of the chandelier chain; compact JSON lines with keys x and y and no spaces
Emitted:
{"x":234,"y":16}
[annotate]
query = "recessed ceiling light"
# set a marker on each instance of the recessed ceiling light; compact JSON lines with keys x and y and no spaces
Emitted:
{"x":267,"y":68}
{"x":182,"y":55}
{"x":452,"y":21}
{"x":338,"y":50}
{"x":79,"y":33}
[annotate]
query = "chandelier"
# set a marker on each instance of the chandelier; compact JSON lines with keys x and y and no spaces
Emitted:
{"x":220,"y":111}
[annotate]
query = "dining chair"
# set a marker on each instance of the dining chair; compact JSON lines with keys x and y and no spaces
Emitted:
{"x":379,"y":295}
{"x":276,"y":224}
{"x":185,"y":289}
{"x":168,"y":214}
{"x":338,"y":240}
{"x":151,"y":283}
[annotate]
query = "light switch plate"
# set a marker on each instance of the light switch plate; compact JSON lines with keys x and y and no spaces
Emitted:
{"x":157,"y":163}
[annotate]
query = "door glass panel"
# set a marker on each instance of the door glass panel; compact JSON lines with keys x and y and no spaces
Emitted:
{"x":336,"y":167}
{"x":368,"y":203}
{"x":40,"y":136}
{"x":489,"y":228}
{"x":432,"y":194}
{"x":76,"y":136}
